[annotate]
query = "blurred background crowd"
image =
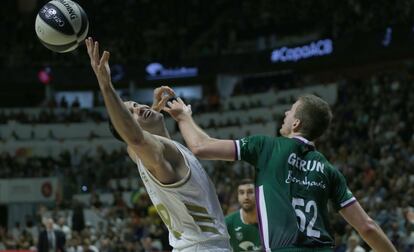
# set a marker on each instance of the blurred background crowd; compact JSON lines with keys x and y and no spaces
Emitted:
{"x":370,"y":141}
{"x":102,"y":205}
{"x":174,"y":30}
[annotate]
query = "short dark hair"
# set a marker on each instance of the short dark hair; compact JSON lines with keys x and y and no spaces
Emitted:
{"x":114,"y":132}
{"x":315,"y":116}
{"x":245,"y":181}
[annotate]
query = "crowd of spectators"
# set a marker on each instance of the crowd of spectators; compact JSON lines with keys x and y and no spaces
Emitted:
{"x":371,"y":141}
{"x":124,"y":229}
{"x":137,"y":31}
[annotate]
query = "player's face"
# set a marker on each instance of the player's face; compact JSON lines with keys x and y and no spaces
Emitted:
{"x":144,"y":115}
{"x":246,"y":197}
{"x":289,"y":121}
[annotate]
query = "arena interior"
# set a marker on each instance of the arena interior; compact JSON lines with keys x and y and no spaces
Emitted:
{"x":240,"y":64}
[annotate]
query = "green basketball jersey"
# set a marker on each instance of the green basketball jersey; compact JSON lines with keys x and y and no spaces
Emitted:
{"x":243,"y":237}
{"x":294,"y":184}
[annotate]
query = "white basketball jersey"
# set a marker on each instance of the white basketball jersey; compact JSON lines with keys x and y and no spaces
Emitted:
{"x":189,"y":208}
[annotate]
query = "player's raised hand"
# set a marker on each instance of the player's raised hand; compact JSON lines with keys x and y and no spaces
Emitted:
{"x":100,"y":65}
{"x":178,"y":109}
{"x":161,"y":96}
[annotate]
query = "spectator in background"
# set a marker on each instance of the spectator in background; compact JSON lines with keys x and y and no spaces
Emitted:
{"x":51,"y":240}
{"x":242,"y":224}
{"x":2,"y":238}
{"x":63,"y":102}
{"x":95,"y":201}
{"x":78,"y":219}
{"x":149,"y":246}
{"x":88,"y":247}
{"x":76,"y":103}
{"x":61,"y":225}
{"x":16,"y":230}
{"x":25,"y":241}
{"x":353,"y":244}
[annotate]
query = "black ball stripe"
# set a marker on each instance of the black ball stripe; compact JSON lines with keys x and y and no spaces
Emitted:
{"x":58,"y":48}
{"x":58,"y":21}
{"x":84,"y":21}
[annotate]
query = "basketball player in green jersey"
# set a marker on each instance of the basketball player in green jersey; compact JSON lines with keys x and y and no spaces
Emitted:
{"x":294,"y":182}
{"x":242,"y":224}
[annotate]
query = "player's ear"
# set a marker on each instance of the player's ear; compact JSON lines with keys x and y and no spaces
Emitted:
{"x":297,"y":124}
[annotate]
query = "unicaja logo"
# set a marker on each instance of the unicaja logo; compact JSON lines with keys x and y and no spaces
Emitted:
{"x":156,"y":71}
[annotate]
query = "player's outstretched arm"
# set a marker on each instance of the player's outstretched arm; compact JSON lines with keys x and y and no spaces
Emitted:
{"x":367,"y":228}
{"x":201,"y":144}
{"x":121,"y":118}
{"x":157,"y":154}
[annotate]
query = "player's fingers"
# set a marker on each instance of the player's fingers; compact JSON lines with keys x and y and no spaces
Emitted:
{"x":105,"y":58}
{"x":180,"y":101}
{"x":175,"y":102}
{"x":89,"y":46}
{"x":164,"y":89}
{"x":96,"y":51}
{"x":157,"y":90}
{"x":160,"y":105}
{"x":163,"y":101}
{"x":171,"y":92}
{"x":168,"y":90}
{"x":166,"y":109}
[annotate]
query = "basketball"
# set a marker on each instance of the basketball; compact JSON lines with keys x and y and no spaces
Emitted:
{"x":61,"y":25}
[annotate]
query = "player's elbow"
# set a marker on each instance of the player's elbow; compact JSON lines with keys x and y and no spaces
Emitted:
{"x":197,"y":151}
{"x":201,"y":152}
{"x":367,"y":227}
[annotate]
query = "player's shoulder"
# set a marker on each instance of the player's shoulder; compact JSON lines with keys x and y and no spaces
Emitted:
{"x":283,"y":142}
{"x":232,"y":216}
{"x":323,"y":159}
{"x":181,"y":148}
{"x":263,"y":139}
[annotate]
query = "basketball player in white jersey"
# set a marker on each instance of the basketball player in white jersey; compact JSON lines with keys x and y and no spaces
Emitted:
{"x":177,"y":184}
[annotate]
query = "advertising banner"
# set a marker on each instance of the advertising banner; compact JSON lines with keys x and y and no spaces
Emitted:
{"x":28,"y":190}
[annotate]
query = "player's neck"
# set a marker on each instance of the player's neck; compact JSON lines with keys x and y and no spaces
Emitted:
{"x":248,"y":217}
{"x":294,"y":134}
{"x":160,"y":130}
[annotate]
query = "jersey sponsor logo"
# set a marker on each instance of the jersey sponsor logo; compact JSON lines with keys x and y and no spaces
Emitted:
{"x":239,"y":236}
{"x":305,"y":165}
{"x":304,"y":182}
{"x":243,"y":142}
{"x":248,"y":246}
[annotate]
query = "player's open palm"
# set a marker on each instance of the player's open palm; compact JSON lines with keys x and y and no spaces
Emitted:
{"x":100,"y":65}
{"x":177,"y":109}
